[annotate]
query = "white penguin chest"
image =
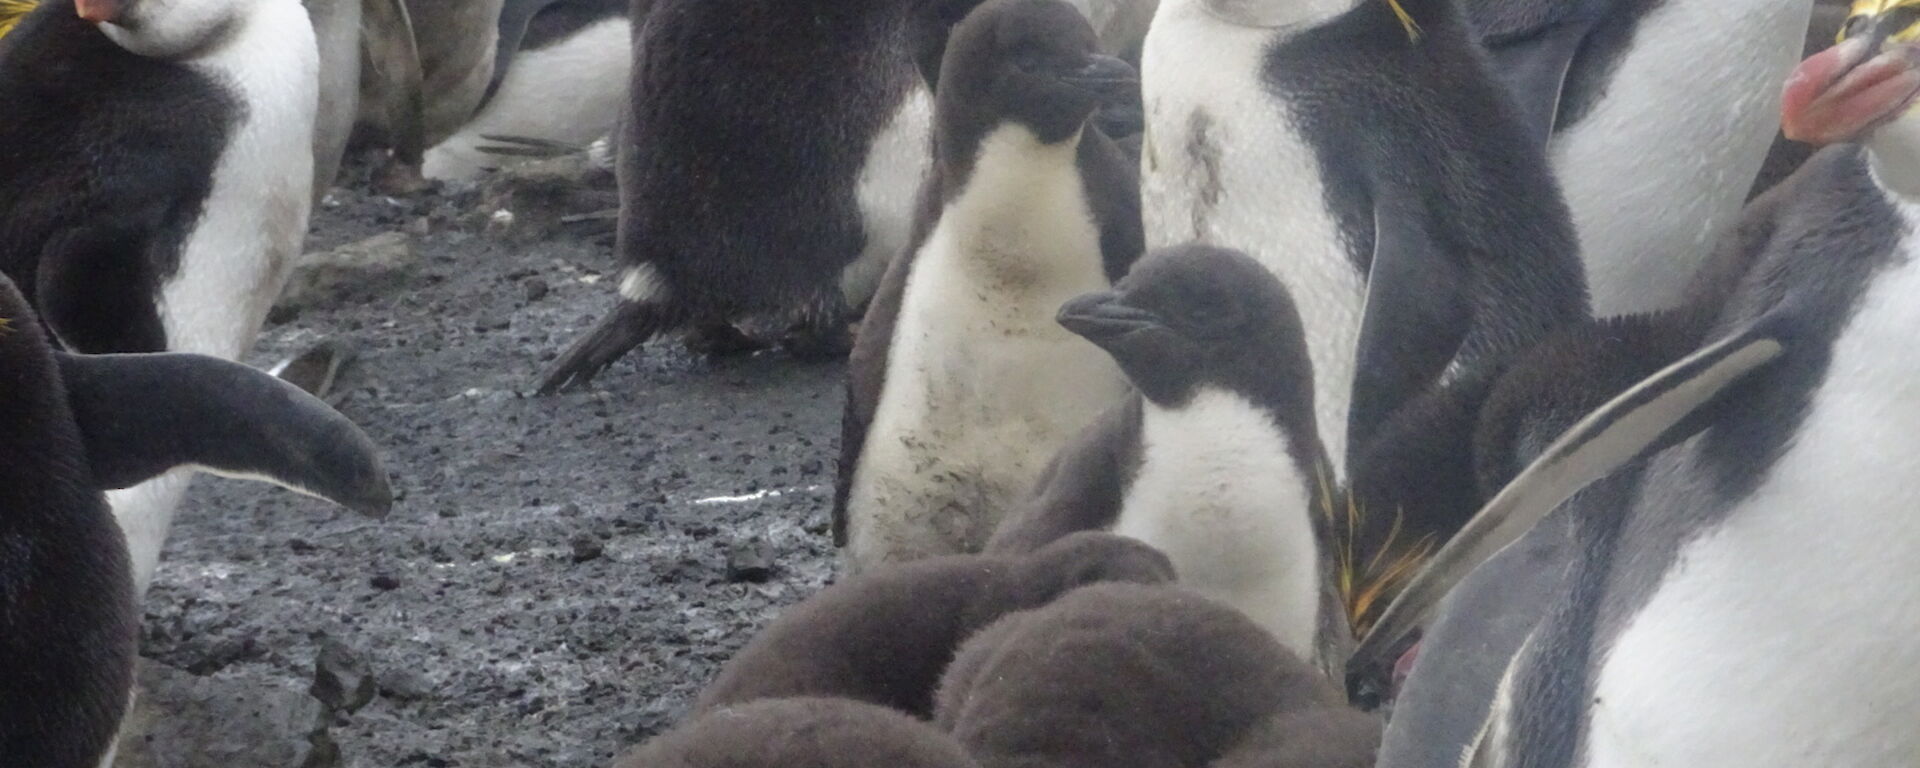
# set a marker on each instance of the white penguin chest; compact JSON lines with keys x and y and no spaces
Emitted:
{"x":1650,"y":196}
{"x":885,"y":192}
{"x":983,"y":385}
{"x":1224,"y":164}
{"x":1218,"y":491}
{"x":1786,"y":635}
{"x":255,"y":219}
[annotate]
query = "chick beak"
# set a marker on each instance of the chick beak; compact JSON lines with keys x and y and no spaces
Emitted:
{"x":1845,"y":92}
{"x":99,"y":11}
{"x":1104,"y":318}
{"x":1111,"y":80}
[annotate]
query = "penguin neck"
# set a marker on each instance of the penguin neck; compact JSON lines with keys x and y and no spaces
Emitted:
{"x":1287,"y":15}
{"x":1893,"y":157}
{"x":1010,"y":199}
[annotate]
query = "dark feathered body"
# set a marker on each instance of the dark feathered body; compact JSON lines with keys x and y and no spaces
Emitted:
{"x":68,"y":622}
{"x":99,"y":150}
{"x":1133,"y":675}
{"x":809,"y":732}
{"x":885,"y":637}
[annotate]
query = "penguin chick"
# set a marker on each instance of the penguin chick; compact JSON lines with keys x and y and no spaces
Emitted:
{"x":764,"y":181}
{"x":801,"y":733}
{"x":1215,"y":460}
{"x":886,"y":636}
{"x":75,"y":426}
{"x":1122,"y":674}
{"x":962,"y":385}
{"x":1322,"y":737}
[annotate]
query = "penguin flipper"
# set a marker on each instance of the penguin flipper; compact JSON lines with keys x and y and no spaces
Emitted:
{"x":1416,"y":317}
{"x":1082,"y":488}
{"x":142,"y":415}
{"x":630,"y":324}
{"x":1660,"y":411}
{"x":515,"y":17}
{"x":93,"y":289}
{"x":1534,"y":68}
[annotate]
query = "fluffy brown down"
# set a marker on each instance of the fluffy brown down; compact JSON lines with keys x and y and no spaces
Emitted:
{"x":1122,"y":674}
{"x":1321,"y":737}
{"x":885,"y":637}
{"x":801,"y":733}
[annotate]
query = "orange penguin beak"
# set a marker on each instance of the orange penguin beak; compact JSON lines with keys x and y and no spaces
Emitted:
{"x":98,"y":11}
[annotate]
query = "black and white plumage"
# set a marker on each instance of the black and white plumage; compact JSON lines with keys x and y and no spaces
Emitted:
{"x":1656,"y":115}
{"x":80,"y":424}
{"x":885,"y":637}
{"x":768,"y":163}
{"x":962,"y":385}
{"x":1214,"y":460}
{"x":156,"y":169}
{"x":1370,"y":161}
{"x":1749,"y":559}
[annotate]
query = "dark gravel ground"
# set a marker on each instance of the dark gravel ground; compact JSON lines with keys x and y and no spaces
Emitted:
{"x":553,"y":585}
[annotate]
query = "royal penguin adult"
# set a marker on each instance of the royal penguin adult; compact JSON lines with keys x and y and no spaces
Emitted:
{"x":1708,"y":587}
{"x":1361,"y":152}
{"x":962,"y":386}
{"x":78,"y":424}
{"x":386,"y":40}
{"x":1649,"y":197}
{"x":559,"y":77}
{"x":787,"y":198}
{"x":157,"y":181}
{"x":1214,"y":460}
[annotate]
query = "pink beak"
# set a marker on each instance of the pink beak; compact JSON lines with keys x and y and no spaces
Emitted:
{"x":1842,"y":93}
{"x":99,"y":11}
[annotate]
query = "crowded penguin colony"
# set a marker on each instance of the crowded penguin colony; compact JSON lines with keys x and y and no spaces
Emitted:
{"x":1229,"y":383}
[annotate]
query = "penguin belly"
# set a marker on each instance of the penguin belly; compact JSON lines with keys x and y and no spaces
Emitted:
{"x":1784,"y":636}
{"x":983,"y":386}
{"x":1223,"y":165}
{"x":243,"y":248}
{"x":896,"y":164}
{"x":571,"y":92}
{"x":1219,"y":492}
{"x":1659,"y":168}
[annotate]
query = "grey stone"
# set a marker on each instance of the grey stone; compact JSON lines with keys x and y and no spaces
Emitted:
{"x":324,"y":277}
{"x":341,"y":677}
{"x":179,"y":720}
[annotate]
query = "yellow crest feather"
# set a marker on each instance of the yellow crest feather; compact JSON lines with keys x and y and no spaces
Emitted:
{"x":1406,"y":21}
{"x":12,"y":10}
{"x":1367,"y":581}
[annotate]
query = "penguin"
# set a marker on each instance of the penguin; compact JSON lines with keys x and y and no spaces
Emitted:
{"x":884,"y":637}
{"x":76,"y":425}
{"x":812,"y":732}
{"x":1214,"y":459}
{"x":1361,"y":152}
{"x":1754,"y":564}
{"x":445,"y":58}
{"x":1129,"y":674}
{"x":157,"y":183}
{"x":1649,"y":197}
{"x":961,"y":384}
{"x":763,"y":180}
{"x":558,"y":76}
{"x":343,"y":40}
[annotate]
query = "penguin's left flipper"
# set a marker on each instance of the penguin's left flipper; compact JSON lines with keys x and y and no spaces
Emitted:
{"x":1416,"y":316}
{"x":1659,"y":412}
{"x":142,"y":415}
{"x":1534,"y":67}
{"x":527,"y":146}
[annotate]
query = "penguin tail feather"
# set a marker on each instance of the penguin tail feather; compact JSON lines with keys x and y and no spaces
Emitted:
{"x":630,"y":324}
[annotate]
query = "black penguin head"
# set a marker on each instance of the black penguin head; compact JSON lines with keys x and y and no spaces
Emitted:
{"x":1193,"y":316}
{"x":164,"y":29}
{"x":1030,"y":62}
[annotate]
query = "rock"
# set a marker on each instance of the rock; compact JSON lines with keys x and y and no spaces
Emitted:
{"x":750,"y":561}
{"x":586,"y":547}
{"x":341,"y":678}
{"x":179,"y":720}
{"x":403,"y":684}
{"x":324,"y":277}
{"x":384,"y":582}
{"x":535,"y":288}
